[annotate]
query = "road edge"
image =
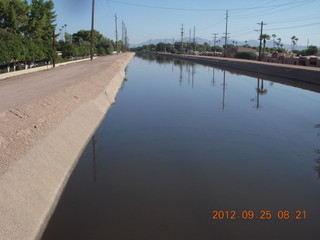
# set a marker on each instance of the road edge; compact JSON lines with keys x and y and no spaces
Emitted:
{"x":30,"y":190}
{"x":290,"y":72}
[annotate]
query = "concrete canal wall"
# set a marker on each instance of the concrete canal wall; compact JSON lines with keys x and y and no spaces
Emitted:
{"x":294,"y":72}
{"x":30,"y":188}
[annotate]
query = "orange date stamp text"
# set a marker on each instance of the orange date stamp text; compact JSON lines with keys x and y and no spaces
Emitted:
{"x":259,"y":214}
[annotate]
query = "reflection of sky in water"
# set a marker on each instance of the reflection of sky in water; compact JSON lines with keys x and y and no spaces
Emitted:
{"x":185,"y":139}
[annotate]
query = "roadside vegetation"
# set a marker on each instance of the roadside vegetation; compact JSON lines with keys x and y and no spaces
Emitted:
{"x":246,"y":52}
{"x":27,"y":33}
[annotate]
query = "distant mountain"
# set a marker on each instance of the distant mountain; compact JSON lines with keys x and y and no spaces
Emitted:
{"x":170,"y":40}
{"x":254,"y":43}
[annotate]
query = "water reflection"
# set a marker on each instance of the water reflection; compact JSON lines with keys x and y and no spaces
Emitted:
{"x":260,"y":91}
{"x":169,"y":60}
{"x":317,"y":160}
{"x":94,"y":159}
{"x":166,"y":156}
{"x":213,"y":79}
{"x":224,"y":90}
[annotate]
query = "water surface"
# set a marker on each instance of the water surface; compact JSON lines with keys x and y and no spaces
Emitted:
{"x":184,"y":140}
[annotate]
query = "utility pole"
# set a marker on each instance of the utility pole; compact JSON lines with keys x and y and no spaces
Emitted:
{"x":260,"y":45}
{"x":226,"y":35}
{"x":116,"y":22}
{"x":189,"y":41}
{"x":54,"y":49}
{"x":127,"y":39}
{"x":92,"y":28}
{"x":215,"y":39}
{"x":182,"y":39}
{"x":194,"y":39}
{"x":122,"y":32}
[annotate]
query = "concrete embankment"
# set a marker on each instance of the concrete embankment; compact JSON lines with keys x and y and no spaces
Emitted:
{"x":294,"y":72}
{"x":31,"y":186}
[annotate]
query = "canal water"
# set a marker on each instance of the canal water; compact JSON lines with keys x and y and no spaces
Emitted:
{"x":194,"y":152}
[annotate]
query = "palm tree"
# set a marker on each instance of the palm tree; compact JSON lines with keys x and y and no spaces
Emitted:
{"x":65,"y":31}
{"x":278,"y":43}
{"x":294,"y":40}
{"x":265,"y":37}
{"x":274,"y":39}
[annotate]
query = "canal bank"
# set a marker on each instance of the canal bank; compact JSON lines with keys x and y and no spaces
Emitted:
{"x":185,"y":142}
{"x":294,"y":72}
{"x":43,"y":134}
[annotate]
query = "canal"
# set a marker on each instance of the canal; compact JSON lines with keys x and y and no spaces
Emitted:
{"x":194,"y":152}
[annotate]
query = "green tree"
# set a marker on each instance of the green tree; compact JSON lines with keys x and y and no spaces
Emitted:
{"x":278,"y":43}
{"x":161,"y":47}
{"x":13,"y":48}
{"x":217,"y":49}
{"x":312,"y":50}
{"x":246,"y":55}
{"x":264,"y":38}
{"x":41,"y":20}
{"x":105,"y":47}
{"x":14,"y":15}
{"x":85,"y":36}
{"x":274,"y":39}
{"x":294,"y":40}
{"x":34,"y":51}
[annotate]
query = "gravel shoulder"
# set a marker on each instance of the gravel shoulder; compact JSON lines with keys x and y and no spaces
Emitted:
{"x":32,"y":105}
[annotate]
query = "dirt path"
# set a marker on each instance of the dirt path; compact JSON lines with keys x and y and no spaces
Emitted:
{"x":32,"y":105}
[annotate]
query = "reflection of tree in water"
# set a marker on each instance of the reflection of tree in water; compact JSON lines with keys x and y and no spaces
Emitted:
{"x":260,"y":91}
{"x":162,"y":59}
{"x":317,"y":168}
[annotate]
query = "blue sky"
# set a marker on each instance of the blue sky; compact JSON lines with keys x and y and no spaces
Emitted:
{"x":154,"y":19}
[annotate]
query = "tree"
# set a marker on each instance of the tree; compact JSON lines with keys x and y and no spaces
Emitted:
{"x":278,"y":43}
{"x":161,"y":47}
{"x":216,"y":49}
{"x":34,"y":51}
{"x":105,"y":47}
{"x":246,"y":55}
{"x":274,"y":39}
{"x":264,"y":37}
{"x":41,"y":20}
{"x":294,"y":40}
{"x":85,"y":36}
{"x":206,"y":47}
{"x":312,"y":50}
{"x":26,"y":30}
{"x":13,"y":48}
{"x":13,"y":15}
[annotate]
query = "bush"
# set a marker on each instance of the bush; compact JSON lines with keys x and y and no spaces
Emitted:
{"x":246,"y":55}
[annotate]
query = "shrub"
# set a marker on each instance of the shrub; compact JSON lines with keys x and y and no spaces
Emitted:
{"x":246,"y":55}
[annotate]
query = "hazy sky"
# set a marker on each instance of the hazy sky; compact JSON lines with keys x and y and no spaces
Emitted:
{"x":153,"y":19}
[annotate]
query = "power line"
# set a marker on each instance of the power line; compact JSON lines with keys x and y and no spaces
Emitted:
{"x":204,"y":9}
{"x":165,"y":8}
{"x":300,"y":26}
{"x":268,"y":12}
